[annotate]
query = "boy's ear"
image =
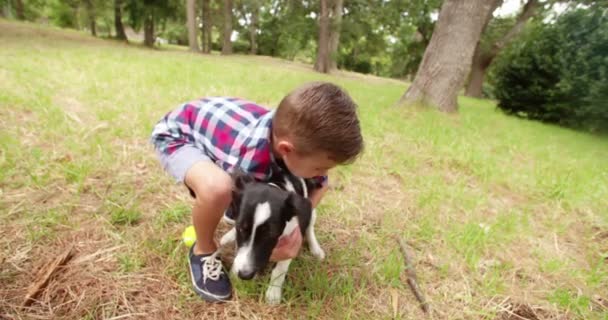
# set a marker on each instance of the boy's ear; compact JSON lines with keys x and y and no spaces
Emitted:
{"x":285,"y":147}
{"x":300,"y":207}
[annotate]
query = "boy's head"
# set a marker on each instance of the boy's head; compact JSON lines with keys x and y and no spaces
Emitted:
{"x":316,"y":128}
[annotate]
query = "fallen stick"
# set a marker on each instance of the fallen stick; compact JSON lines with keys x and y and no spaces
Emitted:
{"x":37,"y":286}
{"x":412,"y":279}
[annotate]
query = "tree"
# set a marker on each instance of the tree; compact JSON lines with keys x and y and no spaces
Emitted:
{"x":191,"y":24}
{"x":19,"y":9}
{"x":91,"y":15}
{"x":206,"y":27}
{"x":485,"y":53}
{"x":151,"y":13}
{"x":334,"y":35}
{"x":323,"y":55}
{"x":330,"y":21}
{"x":141,"y":13}
{"x":249,"y":12}
{"x":448,"y":57}
{"x":227,"y":41}
{"x":149,"y":37}
{"x":419,"y":14}
{"x":253,"y":26}
{"x":120,"y":29}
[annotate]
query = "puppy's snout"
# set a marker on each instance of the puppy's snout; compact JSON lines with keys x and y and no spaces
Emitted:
{"x":246,"y":274}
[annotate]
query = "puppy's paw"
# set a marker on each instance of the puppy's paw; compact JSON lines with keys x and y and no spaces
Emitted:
{"x":317,"y":252}
{"x":273,"y":296}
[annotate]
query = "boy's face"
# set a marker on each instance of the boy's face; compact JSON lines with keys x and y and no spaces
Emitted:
{"x":302,"y":165}
{"x":308,"y":166}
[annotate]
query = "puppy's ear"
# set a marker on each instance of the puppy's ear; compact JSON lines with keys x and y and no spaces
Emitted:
{"x":300,"y":207}
{"x":240,"y":179}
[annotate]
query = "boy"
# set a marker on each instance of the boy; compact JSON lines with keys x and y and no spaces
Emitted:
{"x":314,"y":128}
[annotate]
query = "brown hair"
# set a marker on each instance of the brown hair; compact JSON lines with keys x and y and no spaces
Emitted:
{"x":320,"y":117}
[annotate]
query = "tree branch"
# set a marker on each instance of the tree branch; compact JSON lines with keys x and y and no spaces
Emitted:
{"x":527,"y":12}
{"x":412,"y":278}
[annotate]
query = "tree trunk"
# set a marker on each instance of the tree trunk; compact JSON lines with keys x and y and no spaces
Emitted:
{"x":447,"y":60}
{"x":91,"y":16}
{"x":482,"y":61}
{"x":334,"y":37}
{"x":120,"y":29}
{"x":227,"y":43}
{"x":149,"y":31}
{"x":323,"y":59}
{"x":253,"y":27}
{"x":207,"y":25}
{"x":478,"y":74}
{"x":191,"y":25}
{"x":19,"y":9}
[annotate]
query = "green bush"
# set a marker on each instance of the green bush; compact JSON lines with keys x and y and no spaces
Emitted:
{"x":558,"y":72}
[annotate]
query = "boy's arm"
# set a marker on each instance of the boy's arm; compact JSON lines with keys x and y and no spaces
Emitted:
{"x":289,"y":245}
{"x":317,"y":195}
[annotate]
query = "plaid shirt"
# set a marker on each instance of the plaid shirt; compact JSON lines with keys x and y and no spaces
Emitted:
{"x":230,"y":131}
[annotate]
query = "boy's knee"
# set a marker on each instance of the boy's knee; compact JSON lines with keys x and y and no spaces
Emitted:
{"x":211,"y":185}
{"x":217,"y":193}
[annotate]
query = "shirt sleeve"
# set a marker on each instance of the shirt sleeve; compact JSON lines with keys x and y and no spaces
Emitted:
{"x":173,"y":131}
{"x":322,"y":180}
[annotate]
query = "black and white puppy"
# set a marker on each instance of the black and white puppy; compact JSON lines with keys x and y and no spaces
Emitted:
{"x":264,"y":212}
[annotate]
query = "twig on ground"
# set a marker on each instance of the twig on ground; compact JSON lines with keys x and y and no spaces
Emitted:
{"x":43,"y":278}
{"x":412,"y":278}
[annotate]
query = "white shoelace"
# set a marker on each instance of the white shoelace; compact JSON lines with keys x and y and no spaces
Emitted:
{"x":212,"y":267}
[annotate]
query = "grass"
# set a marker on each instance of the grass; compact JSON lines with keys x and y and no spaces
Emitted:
{"x":504,"y":215}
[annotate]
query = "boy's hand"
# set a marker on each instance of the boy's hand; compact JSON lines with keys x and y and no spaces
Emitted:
{"x":288,"y":246}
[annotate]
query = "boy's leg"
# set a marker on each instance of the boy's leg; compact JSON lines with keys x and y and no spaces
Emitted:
{"x":213,"y":192}
{"x":213,"y":189}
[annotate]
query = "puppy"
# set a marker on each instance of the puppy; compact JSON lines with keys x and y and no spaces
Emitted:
{"x":264,"y":212}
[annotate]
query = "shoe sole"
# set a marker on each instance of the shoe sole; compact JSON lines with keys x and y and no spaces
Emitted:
{"x":210,"y":298}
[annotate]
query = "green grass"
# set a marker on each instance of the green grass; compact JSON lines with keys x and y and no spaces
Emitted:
{"x":494,"y":207}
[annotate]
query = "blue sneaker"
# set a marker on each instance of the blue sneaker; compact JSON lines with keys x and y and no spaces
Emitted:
{"x":229,"y":216}
{"x":209,"y":279}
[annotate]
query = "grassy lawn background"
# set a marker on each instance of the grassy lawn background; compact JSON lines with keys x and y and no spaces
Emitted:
{"x":505,"y":216}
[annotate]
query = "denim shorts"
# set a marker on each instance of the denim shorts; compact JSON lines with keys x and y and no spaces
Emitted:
{"x":180,"y":161}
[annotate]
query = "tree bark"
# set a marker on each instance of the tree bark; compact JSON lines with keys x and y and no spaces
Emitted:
{"x":19,"y":9}
{"x":322,"y":63}
{"x":482,"y":61}
{"x":253,"y":27}
{"x":149,"y":31}
{"x":334,"y":37}
{"x":120,"y":29}
{"x":479,"y":66}
{"x":207,"y":25}
{"x":91,"y":16}
{"x":191,"y":25}
{"x":447,"y":60}
{"x":227,"y":43}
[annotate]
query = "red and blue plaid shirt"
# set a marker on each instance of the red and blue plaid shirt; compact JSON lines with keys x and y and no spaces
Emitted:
{"x":230,"y":131}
